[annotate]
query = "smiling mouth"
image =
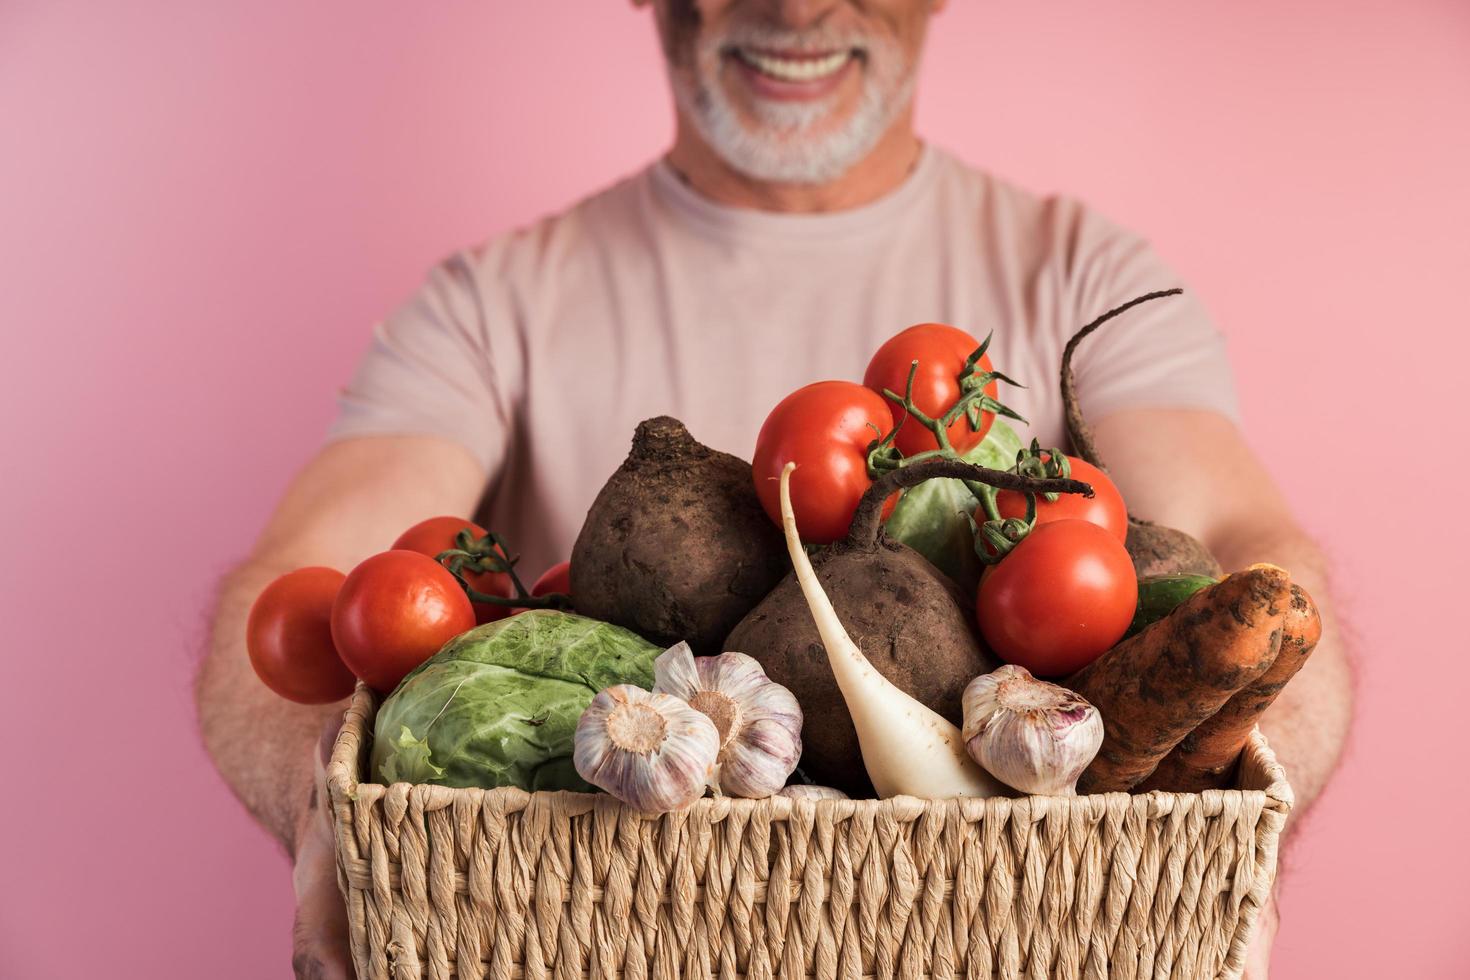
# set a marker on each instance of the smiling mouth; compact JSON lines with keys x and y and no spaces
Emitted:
{"x":796,"y":68}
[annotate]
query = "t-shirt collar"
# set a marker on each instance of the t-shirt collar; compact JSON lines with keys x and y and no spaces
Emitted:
{"x":726,"y":221}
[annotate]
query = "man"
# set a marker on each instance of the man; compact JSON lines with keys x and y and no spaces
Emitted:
{"x":795,"y":224}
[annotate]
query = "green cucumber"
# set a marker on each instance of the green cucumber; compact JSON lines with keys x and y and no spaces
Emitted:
{"x":1159,"y":594}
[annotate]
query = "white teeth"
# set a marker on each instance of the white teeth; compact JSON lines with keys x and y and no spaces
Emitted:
{"x":797,"y":70}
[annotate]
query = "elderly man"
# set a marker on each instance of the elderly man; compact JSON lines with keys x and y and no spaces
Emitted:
{"x":796,"y":222}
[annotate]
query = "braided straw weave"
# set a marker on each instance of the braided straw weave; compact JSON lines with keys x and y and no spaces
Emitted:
{"x":506,"y":884}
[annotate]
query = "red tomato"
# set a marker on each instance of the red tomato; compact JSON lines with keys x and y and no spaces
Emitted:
{"x":1062,"y":597}
{"x":557,"y":578}
{"x":826,"y":428}
{"x":436,"y":535}
{"x":941,"y":351}
{"x":289,"y":638}
{"x":395,"y":611}
{"x":1105,"y":508}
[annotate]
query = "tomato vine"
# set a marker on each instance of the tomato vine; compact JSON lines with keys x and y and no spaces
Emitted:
{"x":491,"y":553}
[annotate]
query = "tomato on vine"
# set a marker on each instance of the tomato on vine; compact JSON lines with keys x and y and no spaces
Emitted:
{"x":437,"y":535}
{"x":944,"y":373}
{"x":1104,"y":508}
{"x":557,"y":578}
{"x":1061,"y":597}
{"x":289,"y":637}
{"x":394,"y":611}
{"x":827,"y":429}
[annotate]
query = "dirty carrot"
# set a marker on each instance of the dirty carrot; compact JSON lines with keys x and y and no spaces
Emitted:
{"x":1155,"y":688}
{"x":1206,"y":758}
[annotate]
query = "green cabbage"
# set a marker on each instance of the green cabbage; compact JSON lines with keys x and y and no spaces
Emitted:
{"x":929,"y":518}
{"x":498,"y":705}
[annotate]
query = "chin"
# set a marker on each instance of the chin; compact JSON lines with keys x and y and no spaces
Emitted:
{"x":792,"y":141}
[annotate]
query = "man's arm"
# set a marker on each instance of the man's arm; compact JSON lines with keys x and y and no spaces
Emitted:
{"x":349,"y":502}
{"x":1193,"y":471}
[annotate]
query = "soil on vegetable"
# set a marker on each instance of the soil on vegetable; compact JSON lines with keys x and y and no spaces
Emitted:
{"x":1159,"y":550}
{"x":676,"y":545}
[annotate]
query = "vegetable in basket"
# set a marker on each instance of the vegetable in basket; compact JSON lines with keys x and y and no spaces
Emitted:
{"x":1206,"y":758}
{"x":946,"y":363}
{"x":675,"y":546}
{"x":714,"y":722}
{"x":556,"y":579}
{"x":652,"y":751}
{"x":498,"y":705}
{"x":1063,"y":595}
{"x":759,"y":721}
{"x":1105,"y":507}
{"x":288,"y":637}
{"x":438,"y":535}
{"x":811,"y":791}
{"x":1031,"y":735}
{"x":828,"y":428}
{"x":1159,"y":595}
{"x":1154,"y":688}
{"x":393,"y":612}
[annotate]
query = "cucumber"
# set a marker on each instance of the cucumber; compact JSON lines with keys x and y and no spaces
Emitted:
{"x":1159,"y":594}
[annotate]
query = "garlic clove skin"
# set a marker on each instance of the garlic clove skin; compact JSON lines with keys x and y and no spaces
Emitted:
{"x":651,"y":751}
{"x":758,"y":720}
{"x":674,"y":672}
{"x":802,"y":791}
{"x":1032,"y":735}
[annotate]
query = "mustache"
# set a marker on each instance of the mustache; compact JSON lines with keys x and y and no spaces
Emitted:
{"x":813,"y":40}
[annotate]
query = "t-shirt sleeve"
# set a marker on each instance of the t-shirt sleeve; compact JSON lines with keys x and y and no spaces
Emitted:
{"x":430,"y":370}
{"x":1165,"y":353}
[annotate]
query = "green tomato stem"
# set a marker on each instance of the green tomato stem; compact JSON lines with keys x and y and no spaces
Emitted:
{"x":489,"y":553}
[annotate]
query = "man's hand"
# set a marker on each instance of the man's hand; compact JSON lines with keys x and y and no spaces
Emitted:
{"x":319,"y":948}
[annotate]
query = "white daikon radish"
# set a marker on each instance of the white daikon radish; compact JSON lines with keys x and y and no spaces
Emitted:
{"x":908,"y":749}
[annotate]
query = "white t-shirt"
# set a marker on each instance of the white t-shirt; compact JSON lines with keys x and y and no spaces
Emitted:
{"x":541,"y":350}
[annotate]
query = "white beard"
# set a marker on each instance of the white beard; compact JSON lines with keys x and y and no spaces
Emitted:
{"x":790,"y":145}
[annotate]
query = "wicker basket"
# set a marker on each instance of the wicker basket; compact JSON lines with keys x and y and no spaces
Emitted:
{"x":501,"y":883}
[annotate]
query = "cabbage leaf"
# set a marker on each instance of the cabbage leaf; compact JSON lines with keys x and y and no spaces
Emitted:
{"x":498,"y":706}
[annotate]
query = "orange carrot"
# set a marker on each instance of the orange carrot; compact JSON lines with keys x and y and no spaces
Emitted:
{"x":1153,"y":689}
{"x":1206,"y":758}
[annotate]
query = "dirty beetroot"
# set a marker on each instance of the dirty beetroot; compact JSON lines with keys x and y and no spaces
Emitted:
{"x":676,"y":545}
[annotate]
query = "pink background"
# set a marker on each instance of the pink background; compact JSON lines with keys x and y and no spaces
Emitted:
{"x":204,"y":205}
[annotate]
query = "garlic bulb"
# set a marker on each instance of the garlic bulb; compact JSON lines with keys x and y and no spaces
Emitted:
{"x":803,"y":791}
{"x":1031,"y":735}
{"x":758,"y":720}
{"x":652,"y":751}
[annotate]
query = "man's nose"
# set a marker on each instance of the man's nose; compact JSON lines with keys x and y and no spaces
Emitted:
{"x":798,"y":14}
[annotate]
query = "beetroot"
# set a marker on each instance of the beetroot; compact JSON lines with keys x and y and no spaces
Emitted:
{"x":676,"y":545}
